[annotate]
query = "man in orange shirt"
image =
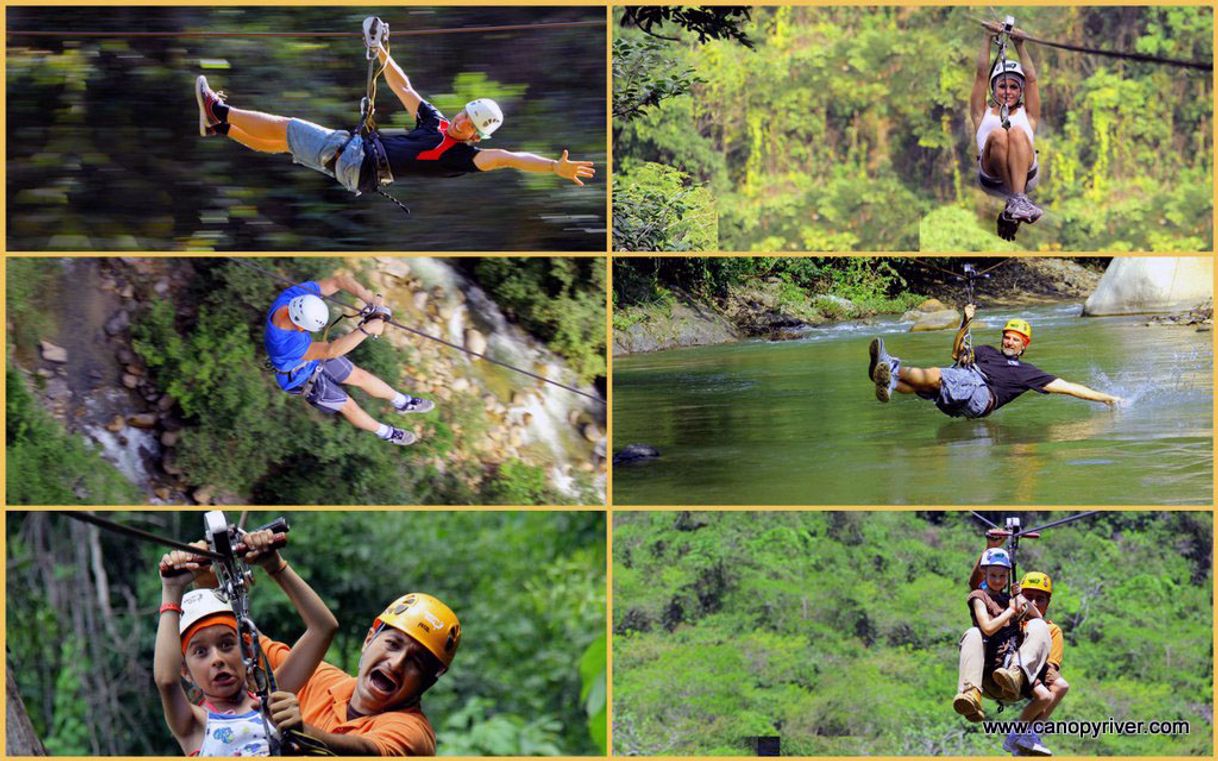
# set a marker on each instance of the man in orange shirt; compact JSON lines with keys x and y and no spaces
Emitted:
{"x":377,"y":712}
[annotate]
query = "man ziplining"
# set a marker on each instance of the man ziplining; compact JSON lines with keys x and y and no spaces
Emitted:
{"x":362,"y":162}
{"x":981,"y":381}
{"x":317,"y":370}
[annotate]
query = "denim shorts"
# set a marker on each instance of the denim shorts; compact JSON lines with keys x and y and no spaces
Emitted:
{"x":327,"y":392}
{"x":315,"y":146}
{"x":963,"y":392}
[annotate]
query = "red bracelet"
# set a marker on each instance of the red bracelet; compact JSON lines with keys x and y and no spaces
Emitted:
{"x":170,"y":606}
{"x":279,"y":570}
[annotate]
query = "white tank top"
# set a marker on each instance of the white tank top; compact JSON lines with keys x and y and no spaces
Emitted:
{"x":991,"y":122}
{"x":240,"y":735}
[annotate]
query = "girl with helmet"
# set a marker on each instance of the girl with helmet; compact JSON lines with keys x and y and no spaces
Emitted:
{"x":1005,"y":108}
{"x":1008,"y":642}
{"x":197,"y":639}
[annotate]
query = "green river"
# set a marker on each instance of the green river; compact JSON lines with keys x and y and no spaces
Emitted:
{"x":797,"y":422}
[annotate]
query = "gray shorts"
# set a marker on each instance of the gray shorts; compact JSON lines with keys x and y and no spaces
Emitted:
{"x":327,"y":392}
{"x":963,"y":392}
{"x":315,"y":147}
{"x":993,"y":185}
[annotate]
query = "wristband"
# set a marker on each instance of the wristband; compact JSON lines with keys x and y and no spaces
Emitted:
{"x":282,"y":567}
{"x":167,"y":606}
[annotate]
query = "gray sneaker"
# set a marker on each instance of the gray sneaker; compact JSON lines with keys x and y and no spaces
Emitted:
{"x":401,"y":438}
{"x":415,"y":404}
{"x":1021,"y":208}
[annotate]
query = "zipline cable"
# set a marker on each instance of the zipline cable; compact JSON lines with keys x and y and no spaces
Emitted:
{"x":421,"y":334}
{"x":1143,"y":57}
{"x":131,"y":531}
{"x":542,"y":25}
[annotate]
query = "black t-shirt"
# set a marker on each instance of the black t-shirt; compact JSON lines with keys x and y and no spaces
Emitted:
{"x":1008,"y":378}
{"x":425,"y":150}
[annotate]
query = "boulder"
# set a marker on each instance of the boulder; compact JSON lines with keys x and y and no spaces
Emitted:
{"x":118,"y":322}
{"x":130,"y":381}
{"x":116,"y":424}
{"x":946,"y":319}
{"x":170,"y":438}
{"x":475,"y":341}
{"x":635,"y":453}
{"x":142,"y":420}
{"x":53,"y":353}
{"x":1149,"y":285}
{"x":932,"y":305}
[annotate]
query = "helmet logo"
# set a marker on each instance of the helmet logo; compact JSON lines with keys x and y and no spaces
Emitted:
{"x":432,"y":619}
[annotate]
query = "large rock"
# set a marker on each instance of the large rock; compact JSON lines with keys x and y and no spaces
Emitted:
{"x":947,"y":319}
{"x":475,"y":341}
{"x":53,"y":353}
{"x":1148,"y":285}
{"x":683,"y":325}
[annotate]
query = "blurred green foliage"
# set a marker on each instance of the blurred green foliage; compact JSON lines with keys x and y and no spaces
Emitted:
{"x":105,"y":151}
{"x":847,"y":128}
{"x":839,"y":631}
{"x":529,"y":588}
{"x":872,"y":284}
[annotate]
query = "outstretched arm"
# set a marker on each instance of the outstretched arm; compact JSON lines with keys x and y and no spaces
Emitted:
{"x":399,"y":83}
{"x":1079,"y":391}
{"x":494,"y":158}
{"x":184,"y":720}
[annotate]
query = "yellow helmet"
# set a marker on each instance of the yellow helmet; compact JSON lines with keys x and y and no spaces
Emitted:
{"x":426,"y":620}
{"x":1021,"y":327}
{"x":1037,"y":580}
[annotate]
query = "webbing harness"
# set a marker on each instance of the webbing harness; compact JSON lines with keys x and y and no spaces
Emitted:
{"x":376,"y":37}
{"x":1000,"y":64}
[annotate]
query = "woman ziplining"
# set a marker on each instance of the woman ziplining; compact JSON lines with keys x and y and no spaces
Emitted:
{"x":1005,"y":108}
{"x":365,"y":159}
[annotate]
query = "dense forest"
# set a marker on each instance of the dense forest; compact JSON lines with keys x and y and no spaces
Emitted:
{"x":838,"y":631}
{"x":187,"y":341}
{"x":104,"y":151}
{"x":529,"y":589}
{"x":847,"y":128}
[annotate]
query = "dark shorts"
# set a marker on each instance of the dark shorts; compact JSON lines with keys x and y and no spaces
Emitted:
{"x":327,"y":392}
{"x":963,"y":392}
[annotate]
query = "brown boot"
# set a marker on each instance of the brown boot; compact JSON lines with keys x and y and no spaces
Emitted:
{"x":968,"y":704}
{"x":1010,"y":681}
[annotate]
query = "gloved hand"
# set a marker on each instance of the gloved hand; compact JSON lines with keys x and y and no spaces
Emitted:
{"x":1007,"y":227}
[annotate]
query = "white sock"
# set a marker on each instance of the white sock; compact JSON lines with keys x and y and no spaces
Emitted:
{"x":400,"y":401}
{"x":384,"y":431}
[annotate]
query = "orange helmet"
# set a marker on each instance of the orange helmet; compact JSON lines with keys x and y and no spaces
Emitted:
{"x":427,"y":621}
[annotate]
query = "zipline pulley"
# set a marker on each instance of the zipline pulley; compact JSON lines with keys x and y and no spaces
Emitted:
{"x":969,"y":275}
{"x":1001,"y":40}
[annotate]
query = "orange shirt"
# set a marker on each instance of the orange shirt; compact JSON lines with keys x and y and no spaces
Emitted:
{"x":323,"y":704}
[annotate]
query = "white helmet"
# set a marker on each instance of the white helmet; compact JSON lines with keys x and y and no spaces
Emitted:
{"x":1009,"y":68}
{"x":486,"y":115}
{"x":201,"y":604}
{"x":308,"y":312}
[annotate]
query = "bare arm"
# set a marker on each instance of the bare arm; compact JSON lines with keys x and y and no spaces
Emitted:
{"x":981,"y":82}
{"x":336,"y":283}
{"x":342,"y":346}
{"x":494,"y":158}
{"x":399,"y":83}
{"x":320,"y":624}
{"x":1031,"y":92}
{"x":285,"y":713}
{"x":1079,"y":391}
{"x":184,"y":720}
{"x":989,"y":625}
{"x":970,"y":311}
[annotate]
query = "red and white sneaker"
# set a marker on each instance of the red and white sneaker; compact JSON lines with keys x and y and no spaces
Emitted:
{"x":207,"y":100}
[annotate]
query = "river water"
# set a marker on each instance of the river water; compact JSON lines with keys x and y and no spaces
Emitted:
{"x":797,"y":422}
